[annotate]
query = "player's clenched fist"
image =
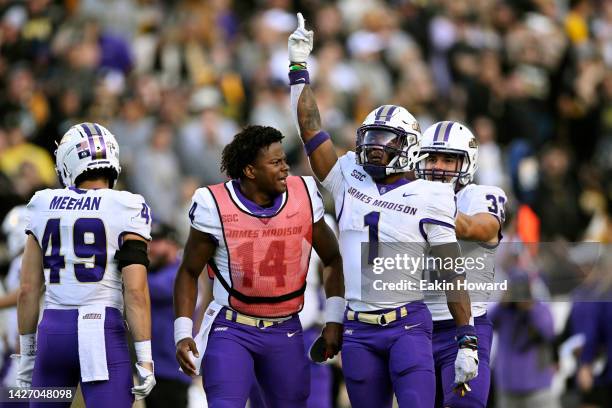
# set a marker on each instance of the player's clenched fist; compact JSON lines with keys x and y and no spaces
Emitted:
{"x":466,"y":363}
{"x":332,"y":333}
{"x":300,"y":42}
{"x":185,"y":350}
{"x":328,"y":344}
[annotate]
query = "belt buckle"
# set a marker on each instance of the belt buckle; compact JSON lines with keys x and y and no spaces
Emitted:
{"x":382,"y":320}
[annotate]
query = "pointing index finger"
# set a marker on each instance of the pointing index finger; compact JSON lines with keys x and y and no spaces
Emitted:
{"x":301,"y":21}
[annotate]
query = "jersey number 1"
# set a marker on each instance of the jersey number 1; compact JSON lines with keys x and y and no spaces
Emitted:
{"x":371,"y":220}
{"x":89,"y":241}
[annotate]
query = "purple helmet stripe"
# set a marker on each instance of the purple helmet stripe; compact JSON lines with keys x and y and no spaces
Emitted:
{"x":436,"y":133}
{"x":379,"y":113}
{"x":385,"y":113}
{"x":447,"y":132}
{"x":389,"y":114}
{"x":101,"y":141}
{"x":92,"y":146}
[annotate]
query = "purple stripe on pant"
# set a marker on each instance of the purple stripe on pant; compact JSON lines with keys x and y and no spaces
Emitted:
{"x":378,"y":361}
{"x":445,"y":352}
{"x":57,"y":360}
{"x":275,"y":355}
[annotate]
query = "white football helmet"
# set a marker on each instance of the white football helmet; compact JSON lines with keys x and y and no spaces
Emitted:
{"x":391,"y":129}
{"x":86,"y":146}
{"x":13,"y":227}
{"x":449,"y":137}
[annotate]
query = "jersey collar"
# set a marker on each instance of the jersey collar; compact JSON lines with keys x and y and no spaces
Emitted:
{"x":385,"y":188}
{"x":253,"y":207}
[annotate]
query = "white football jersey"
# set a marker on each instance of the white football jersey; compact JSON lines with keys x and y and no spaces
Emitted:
{"x":79,"y":232}
{"x":474,"y":199}
{"x":419,"y":213}
{"x":205,"y":218}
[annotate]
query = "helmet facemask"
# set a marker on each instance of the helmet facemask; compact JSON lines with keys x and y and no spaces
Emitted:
{"x":459,"y":175}
{"x":383,"y":150}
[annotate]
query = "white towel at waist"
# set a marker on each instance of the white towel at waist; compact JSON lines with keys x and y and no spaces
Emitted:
{"x":201,"y":339}
{"x":92,"y":346}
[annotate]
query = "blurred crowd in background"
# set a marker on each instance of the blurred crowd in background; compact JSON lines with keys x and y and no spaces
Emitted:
{"x":175,"y":80}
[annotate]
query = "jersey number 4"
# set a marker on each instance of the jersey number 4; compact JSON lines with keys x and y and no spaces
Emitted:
{"x":89,"y":244}
{"x":273,"y":263}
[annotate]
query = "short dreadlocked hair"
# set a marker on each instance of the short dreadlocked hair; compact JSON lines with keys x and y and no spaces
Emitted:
{"x":243,"y":150}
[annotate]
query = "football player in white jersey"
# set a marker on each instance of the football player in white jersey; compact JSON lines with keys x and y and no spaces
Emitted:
{"x":450,"y":153}
{"x":387,"y":337}
{"x":87,"y":246}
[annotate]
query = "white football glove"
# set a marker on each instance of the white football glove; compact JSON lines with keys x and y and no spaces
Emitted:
{"x":466,"y":365}
{"x":147,"y":381}
{"x":25,"y":369}
{"x":300,"y":42}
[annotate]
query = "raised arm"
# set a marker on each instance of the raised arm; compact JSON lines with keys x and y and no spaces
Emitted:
{"x":317,"y":142}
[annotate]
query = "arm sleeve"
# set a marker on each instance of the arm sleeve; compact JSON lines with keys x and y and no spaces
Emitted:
{"x":296,"y":91}
{"x":138,"y":216}
{"x":315,"y":199}
{"x":438,"y":224}
{"x":32,"y":223}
